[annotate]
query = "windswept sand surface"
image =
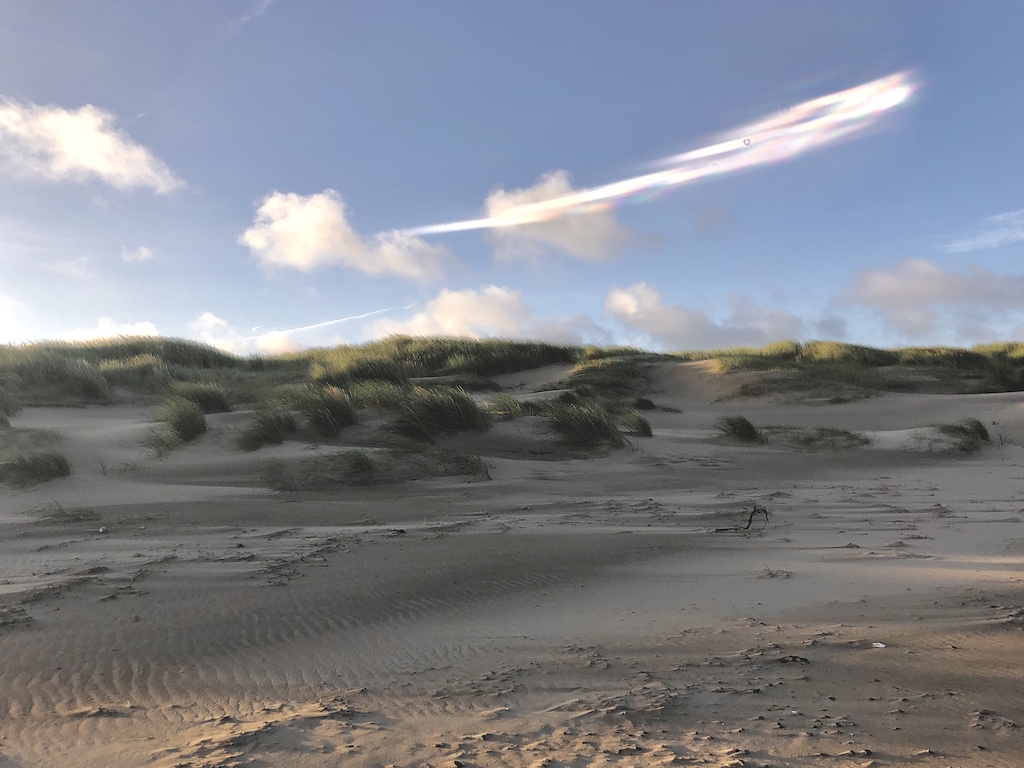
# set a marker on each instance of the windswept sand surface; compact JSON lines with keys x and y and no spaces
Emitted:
{"x":585,"y":612}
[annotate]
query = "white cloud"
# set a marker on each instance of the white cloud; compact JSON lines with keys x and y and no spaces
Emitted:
{"x":593,"y":235}
{"x":993,"y":232}
{"x":77,"y":145}
{"x":76,"y":269}
{"x":640,"y":309}
{"x":142,"y":253}
{"x":308,"y":232}
{"x":106,"y":328}
{"x":219,"y":333}
{"x":490,"y":311}
{"x":919,"y":298}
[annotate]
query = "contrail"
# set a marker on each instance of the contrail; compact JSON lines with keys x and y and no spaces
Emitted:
{"x":773,"y":139}
{"x":332,"y":322}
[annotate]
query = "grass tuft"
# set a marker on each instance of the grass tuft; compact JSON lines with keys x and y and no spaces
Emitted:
{"x":637,"y":424}
{"x":211,"y":398}
{"x":141,"y":373}
{"x":184,"y":417}
{"x":270,"y":426}
{"x":428,"y":413}
{"x":969,"y":434}
{"x":23,"y":470}
{"x":739,"y":428}
{"x":325,"y":410}
{"x":584,"y":424}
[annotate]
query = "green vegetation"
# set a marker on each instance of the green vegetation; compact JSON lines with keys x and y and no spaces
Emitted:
{"x":739,"y":428}
{"x":611,"y":378}
{"x":378,"y":395}
{"x":637,"y":424}
{"x":325,"y":410}
{"x":270,"y":426}
{"x":506,"y":407}
{"x":141,"y":373}
{"x":211,"y":398}
{"x":585,"y":424}
{"x":428,"y":413}
{"x":644,"y":404}
{"x":23,"y":470}
{"x":840,"y":372}
{"x":359,"y":468}
{"x":184,"y":417}
{"x":55,"y":512}
{"x":817,"y":438}
{"x":968,"y":434}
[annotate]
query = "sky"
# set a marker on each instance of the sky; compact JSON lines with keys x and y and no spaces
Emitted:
{"x":268,"y":175}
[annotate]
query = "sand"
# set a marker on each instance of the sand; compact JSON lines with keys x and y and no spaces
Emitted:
{"x":574,"y":612}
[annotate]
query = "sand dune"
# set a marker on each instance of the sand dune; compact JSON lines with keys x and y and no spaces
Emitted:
{"x":584,"y":611}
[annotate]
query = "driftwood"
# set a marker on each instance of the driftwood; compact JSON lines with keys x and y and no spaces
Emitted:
{"x":757,"y":509}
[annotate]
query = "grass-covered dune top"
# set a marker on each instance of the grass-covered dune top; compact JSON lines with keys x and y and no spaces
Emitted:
{"x":983,"y":368}
{"x":95,"y":371}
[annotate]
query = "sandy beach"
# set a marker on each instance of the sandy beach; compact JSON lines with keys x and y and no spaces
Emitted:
{"x":569,"y":611}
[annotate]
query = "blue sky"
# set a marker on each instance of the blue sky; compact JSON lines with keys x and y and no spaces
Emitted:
{"x":247,"y":172}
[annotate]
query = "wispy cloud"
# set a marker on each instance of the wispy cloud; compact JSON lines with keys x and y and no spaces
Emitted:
{"x":258,"y":9}
{"x":312,"y":231}
{"x":142,"y":253}
{"x":993,"y":232}
{"x":79,"y":145}
{"x":77,"y":269}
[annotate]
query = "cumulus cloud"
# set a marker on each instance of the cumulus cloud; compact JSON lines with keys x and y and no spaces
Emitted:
{"x":107,"y":328}
{"x":918,"y":297}
{"x":306,"y":232}
{"x":77,"y":145}
{"x":219,"y":333}
{"x":142,"y":253}
{"x":641,"y":309}
{"x":593,"y":235}
{"x":490,"y":311}
{"x":993,"y":232}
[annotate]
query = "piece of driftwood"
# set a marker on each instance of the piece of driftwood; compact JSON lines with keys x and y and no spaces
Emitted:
{"x":756,"y":510}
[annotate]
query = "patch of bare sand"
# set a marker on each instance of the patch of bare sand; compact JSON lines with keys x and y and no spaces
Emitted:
{"x":592,"y":611}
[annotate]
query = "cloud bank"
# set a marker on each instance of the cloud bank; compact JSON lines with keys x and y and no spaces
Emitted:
{"x":490,"y":311}
{"x":919,"y":298}
{"x":80,"y":145}
{"x":640,"y":308}
{"x":591,"y":235}
{"x":107,"y":328}
{"x":312,"y":231}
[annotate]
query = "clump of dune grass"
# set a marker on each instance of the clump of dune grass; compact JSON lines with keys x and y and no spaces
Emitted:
{"x":739,"y":428}
{"x":185,"y":419}
{"x":270,"y":426}
{"x":584,"y":424}
{"x":818,"y":438}
{"x":45,"y":376}
{"x":644,"y":404}
{"x":141,"y":373}
{"x":637,"y":424}
{"x":428,"y":413}
{"x":23,"y":470}
{"x":211,"y":398}
{"x":378,"y":395}
{"x":55,"y":512}
{"x":968,"y":434}
{"x":325,"y":410}
{"x":505,"y":407}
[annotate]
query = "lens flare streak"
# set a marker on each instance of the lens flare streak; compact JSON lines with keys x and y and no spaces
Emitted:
{"x":780,"y":137}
